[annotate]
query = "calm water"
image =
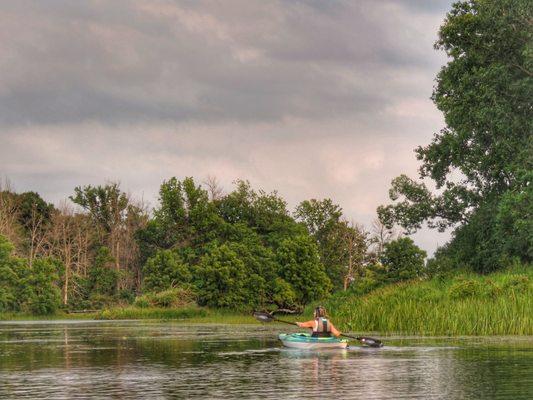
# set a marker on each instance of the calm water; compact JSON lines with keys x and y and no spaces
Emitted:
{"x":136,"y":360}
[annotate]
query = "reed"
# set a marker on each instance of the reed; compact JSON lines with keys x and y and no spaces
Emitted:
{"x":189,"y":314}
{"x":497,"y":304}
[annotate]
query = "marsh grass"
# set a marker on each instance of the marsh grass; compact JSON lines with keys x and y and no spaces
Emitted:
{"x":468,"y":304}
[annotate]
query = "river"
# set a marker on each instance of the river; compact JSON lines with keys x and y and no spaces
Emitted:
{"x":160,"y":360}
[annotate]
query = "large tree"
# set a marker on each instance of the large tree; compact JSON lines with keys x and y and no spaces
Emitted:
{"x":482,"y":161}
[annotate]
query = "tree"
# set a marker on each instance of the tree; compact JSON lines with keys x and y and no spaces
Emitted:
{"x":185,"y":218}
{"x":355,"y":244}
{"x":323,"y":220}
{"x":403,"y":260}
{"x":165,"y":270}
{"x":300,"y":266}
{"x":484,"y":152}
{"x":221,"y":279}
{"x":117,"y":220}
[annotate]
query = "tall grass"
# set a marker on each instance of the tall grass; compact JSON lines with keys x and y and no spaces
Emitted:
{"x":497,"y":304}
{"x":189,"y":314}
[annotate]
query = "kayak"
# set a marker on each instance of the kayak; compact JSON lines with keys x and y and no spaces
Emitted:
{"x":308,"y":342}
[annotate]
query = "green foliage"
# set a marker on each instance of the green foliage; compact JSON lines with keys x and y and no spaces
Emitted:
{"x":485,"y":93}
{"x":403,"y":260}
{"x":300,"y":266}
{"x":517,"y":283}
{"x":322,"y":219}
{"x":165,"y":270}
{"x":103,"y":278}
{"x":283,"y":294}
{"x":221,"y":278}
{"x":467,"y":305}
{"x":465,"y":288}
{"x":174,"y":297}
{"x":106,"y":204}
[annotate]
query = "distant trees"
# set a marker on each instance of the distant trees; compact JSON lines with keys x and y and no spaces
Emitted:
{"x":242,"y":249}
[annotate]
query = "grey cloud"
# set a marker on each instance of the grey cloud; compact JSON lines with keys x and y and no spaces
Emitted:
{"x":119,"y":61}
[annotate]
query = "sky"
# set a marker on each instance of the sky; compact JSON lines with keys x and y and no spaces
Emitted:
{"x":314,"y":99}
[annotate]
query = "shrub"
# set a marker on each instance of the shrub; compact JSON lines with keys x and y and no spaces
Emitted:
{"x":465,"y":288}
{"x":142,"y":301}
{"x":175,"y":297}
{"x":165,"y":270}
{"x":517,"y":283}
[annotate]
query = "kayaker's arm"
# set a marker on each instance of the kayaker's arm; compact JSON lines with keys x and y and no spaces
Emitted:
{"x":307,"y":324}
{"x":334,"y":331}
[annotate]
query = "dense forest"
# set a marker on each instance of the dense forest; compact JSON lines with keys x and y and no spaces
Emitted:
{"x":243,"y":249}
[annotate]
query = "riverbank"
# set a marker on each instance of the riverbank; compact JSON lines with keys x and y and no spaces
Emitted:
{"x":465,"y":304}
{"x":184,"y":314}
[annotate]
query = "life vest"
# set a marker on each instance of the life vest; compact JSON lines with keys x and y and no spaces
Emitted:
{"x":322,"y":328}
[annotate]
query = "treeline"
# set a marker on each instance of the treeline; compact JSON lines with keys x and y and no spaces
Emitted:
{"x":243,"y":249}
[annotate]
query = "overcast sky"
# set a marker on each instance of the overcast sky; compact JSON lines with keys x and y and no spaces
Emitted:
{"x":312,"y":98}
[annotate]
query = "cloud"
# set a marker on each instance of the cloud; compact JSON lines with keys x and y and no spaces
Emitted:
{"x":312,"y":98}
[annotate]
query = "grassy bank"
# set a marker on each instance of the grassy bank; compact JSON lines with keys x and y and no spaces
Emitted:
{"x":467,"y":304}
{"x":184,"y":314}
{"x":188,"y":314}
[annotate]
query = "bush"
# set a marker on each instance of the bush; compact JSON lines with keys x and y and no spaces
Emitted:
{"x":175,"y":297}
{"x":517,"y":283}
{"x":142,"y":301}
{"x":283,"y":295}
{"x":165,"y":270}
{"x":492,"y":289}
{"x":465,"y":288}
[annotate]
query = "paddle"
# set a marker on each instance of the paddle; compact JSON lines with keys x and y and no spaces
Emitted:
{"x":267,"y":317}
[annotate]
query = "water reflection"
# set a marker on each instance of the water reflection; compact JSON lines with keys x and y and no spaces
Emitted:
{"x":131,"y":360}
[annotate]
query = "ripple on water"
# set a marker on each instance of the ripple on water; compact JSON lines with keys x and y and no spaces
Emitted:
{"x":158,"y":361}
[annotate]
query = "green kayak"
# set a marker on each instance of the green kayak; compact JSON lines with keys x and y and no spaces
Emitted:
{"x":308,"y":342}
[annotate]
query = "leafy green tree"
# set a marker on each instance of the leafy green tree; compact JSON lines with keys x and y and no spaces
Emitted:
{"x":107,"y":205}
{"x":323,"y":220}
{"x":103,"y":277}
{"x":165,"y":270}
{"x":9,"y":276}
{"x":481,"y":161}
{"x":27,"y":288}
{"x":41,"y":292}
{"x":403,"y":260}
{"x":300,"y":266}
{"x":264,"y":213}
{"x":221,"y":278}
{"x":185,"y":218}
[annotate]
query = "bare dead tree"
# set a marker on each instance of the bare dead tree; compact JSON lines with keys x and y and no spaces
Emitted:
{"x":213,"y":188}
{"x":355,"y":240}
{"x":9,"y":212}
{"x":69,"y":239}
{"x":37,"y":235}
{"x":381,"y":235}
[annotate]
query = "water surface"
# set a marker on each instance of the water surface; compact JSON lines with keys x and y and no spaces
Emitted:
{"x":137,"y":360}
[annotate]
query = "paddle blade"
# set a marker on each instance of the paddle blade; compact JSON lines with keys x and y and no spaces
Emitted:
{"x":263,"y":316}
{"x":371,"y":342}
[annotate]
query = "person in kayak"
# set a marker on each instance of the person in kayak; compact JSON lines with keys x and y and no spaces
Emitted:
{"x":321,"y":325}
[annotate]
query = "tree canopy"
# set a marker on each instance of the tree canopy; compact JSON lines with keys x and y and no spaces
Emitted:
{"x":481,"y":162}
